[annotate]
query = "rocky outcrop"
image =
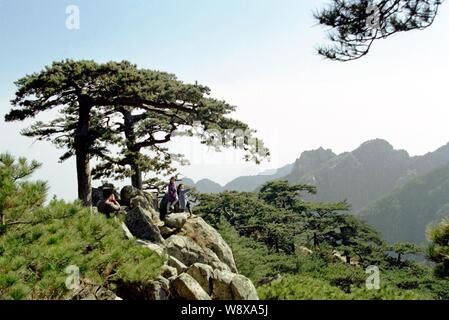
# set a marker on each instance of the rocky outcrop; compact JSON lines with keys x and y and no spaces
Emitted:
{"x":211,"y":243}
{"x":203,"y":274}
{"x":176,"y":220}
{"x":141,"y":225}
{"x":199,"y":264}
{"x":128,"y":193}
{"x":88,"y":291}
{"x":186,"y":287}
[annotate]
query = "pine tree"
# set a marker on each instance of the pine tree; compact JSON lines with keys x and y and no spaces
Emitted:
{"x":283,"y":195}
{"x":356,"y":24}
{"x":17,"y":195}
{"x":403,"y":248}
{"x":90,"y":97}
{"x":438,"y":250}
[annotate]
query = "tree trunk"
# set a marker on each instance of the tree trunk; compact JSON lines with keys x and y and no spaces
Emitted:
{"x":84,"y":177}
{"x":136,"y":178}
{"x":2,"y":219}
{"x":398,"y":261}
{"x":129,"y":122}
{"x":82,"y":155}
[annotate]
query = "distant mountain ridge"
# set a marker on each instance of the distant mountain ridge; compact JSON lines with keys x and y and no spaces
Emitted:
{"x":364,"y":175}
{"x":361,"y":176}
{"x":242,"y":184}
{"x":396,"y":193}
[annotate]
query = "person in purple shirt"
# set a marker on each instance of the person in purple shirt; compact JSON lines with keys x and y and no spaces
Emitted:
{"x":172,"y":195}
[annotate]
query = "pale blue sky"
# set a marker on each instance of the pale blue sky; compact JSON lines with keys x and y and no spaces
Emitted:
{"x":256,"y":54}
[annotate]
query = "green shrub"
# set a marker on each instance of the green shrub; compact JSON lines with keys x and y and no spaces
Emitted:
{"x":34,"y":256}
{"x":438,"y":250}
{"x":300,"y":288}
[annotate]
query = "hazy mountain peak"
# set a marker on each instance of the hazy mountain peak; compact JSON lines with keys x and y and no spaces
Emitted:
{"x":314,"y":156}
{"x":311,"y":159}
{"x":375,"y":145}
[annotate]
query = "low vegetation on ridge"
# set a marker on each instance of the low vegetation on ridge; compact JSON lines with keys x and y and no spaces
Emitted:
{"x":294,"y":249}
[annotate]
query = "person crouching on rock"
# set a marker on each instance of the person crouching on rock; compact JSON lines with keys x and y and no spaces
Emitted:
{"x":109,"y":205}
{"x":182,"y":197}
{"x":172,"y":195}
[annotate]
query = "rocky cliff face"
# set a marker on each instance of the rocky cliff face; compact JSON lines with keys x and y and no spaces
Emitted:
{"x":199,"y":263}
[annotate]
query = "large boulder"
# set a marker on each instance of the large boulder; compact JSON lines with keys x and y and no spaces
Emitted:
{"x":157,"y":289}
{"x":129,"y":192}
{"x":210,"y":241}
{"x":221,"y":285}
{"x":186,"y":250}
{"x":140,"y":201}
{"x":203,"y":274}
{"x":126,"y":231}
{"x":185,"y":287}
{"x":167,"y":232}
{"x":176,"y":220}
{"x":141,"y":226}
{"x":230,"y":286}
{"x":243,"y":289}
{"x":158,"y":248}
{"x":175,"y":263}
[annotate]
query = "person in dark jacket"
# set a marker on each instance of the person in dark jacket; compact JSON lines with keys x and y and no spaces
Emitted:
{"x":182,"y":198}
{"x":172,"y":195}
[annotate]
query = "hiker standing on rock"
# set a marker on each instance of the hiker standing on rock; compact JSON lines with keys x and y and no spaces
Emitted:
{"x":182,"y":197}
{"x":172,"y":195}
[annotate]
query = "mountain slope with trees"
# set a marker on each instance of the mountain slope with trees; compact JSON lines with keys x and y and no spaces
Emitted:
{"x":296,"y":249}
{"x":366,"y":174}
{"x":404,"y":214}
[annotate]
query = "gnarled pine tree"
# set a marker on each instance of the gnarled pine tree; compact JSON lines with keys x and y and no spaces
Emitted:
{"x":89,"y":96}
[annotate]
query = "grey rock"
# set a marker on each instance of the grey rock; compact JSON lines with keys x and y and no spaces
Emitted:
{"x":212,"y":243}
{"x":243,"y":289}
{"x":167,"y":232}
{"x":128,"y":233}
{"x":184,"y":249}
{"x":175,"y":263}
{"x":159,"y":249}
{"x":187,"y":288}
{"x":141,"y":226}
{"x":129,"y":192}
{"x":176,"y":220}
{"x":168,"y":272}
{"x":221,"y":285}
{"x":203,"y":274}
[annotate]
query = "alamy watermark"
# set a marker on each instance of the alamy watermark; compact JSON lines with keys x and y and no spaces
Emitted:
{"x":373,"y":20}
{"x":216,"y":139}
{"x":373,"y":280}
{"x":73,"y":19}
{"x":72,"y":282}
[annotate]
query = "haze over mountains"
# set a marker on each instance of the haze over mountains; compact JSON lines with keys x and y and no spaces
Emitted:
{"x":404,"y":214}
{"x":242,"y":184}
{"x":371,"y":171}
{"x":398,"y":194}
